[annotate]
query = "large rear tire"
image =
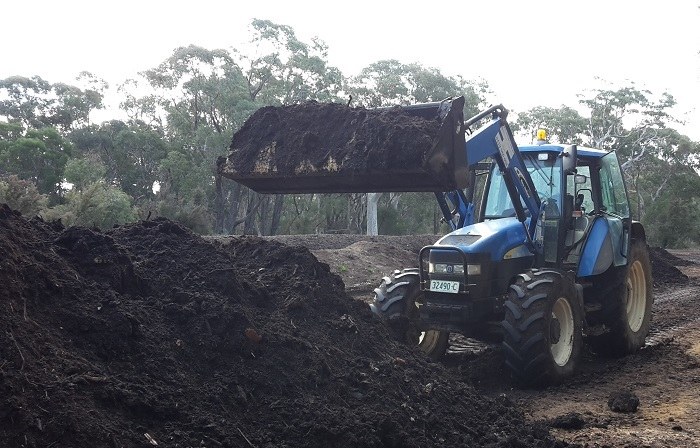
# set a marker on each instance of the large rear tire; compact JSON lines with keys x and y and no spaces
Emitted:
{"x":627,"y":310}
{"x":542,"y":328}
{"x":395,"y":302}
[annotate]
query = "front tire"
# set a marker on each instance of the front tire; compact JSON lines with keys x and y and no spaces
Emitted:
{"x":627,"y":311}
{"x":542,"y":328}
{"x":395,"y":302}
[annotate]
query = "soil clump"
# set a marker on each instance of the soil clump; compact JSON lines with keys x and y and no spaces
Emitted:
{"x":623,"y":401}
{"x":148,"y":333}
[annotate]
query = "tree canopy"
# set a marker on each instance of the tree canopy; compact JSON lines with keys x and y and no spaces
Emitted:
{"x":181,"y":113}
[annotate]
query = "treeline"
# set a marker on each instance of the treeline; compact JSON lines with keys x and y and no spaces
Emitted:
{"x":160,"y":161}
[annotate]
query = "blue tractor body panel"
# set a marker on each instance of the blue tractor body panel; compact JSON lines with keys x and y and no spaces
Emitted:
{"x":496,"y":238}
{"x":596,"y":244}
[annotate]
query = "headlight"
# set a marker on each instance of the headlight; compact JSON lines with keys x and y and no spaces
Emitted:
{"x":444,"y":268}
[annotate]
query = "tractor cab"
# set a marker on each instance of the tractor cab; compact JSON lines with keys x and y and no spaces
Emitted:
{"x":573,"y":199}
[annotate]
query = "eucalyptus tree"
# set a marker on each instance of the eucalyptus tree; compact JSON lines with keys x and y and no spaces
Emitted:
{"x":563,"y":124}
{"x":201,"y":96}
{"x":36,"y":103}
{"x":131,"y":153}
{"x":391,"y":83}
{"x":21,"y":195}
{"x":36,"y":155}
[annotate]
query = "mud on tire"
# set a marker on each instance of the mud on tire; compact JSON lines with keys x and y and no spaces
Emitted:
{"x":542,"y":328}
{"x":627,"y":309}
{"x":395,"y":301}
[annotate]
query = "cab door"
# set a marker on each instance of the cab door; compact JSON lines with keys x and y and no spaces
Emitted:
{"x":615,"y":204}
{"x":607,"y":242}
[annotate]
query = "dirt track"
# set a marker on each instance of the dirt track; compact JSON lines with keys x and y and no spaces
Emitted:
{"x":665,"y":375}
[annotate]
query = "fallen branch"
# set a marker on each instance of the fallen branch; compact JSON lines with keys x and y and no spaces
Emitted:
{"x":246,"y":438}
{"x":12,"y":336}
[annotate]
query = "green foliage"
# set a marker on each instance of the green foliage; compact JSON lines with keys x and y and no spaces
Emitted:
{"x":183,"y":178}
{"x":197,"y":98}
{"x":131,"y":153}
{"x":99,"y":204}
{"x":301,"y":215}
{"x":84,"y":171}
{"x":562,"y":124}
{"x":36,"y":103}
{"x":411,"y":213}
{"x":285,"y":70}
{"x":390,"y":82}
{"x":36,"y":155}
{"x":629,"y":121}
{"x":192,"y":215}
{"x":21,"y":195}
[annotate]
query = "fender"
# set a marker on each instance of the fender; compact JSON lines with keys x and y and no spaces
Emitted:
{"x":597,"y":254}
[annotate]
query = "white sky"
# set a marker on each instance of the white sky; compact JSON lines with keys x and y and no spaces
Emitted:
{"x":540,"y":52}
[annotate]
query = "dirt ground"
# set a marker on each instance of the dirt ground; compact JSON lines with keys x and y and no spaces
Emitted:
{"x":665,"y":375}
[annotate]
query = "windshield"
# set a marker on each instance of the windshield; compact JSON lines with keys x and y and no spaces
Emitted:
{"x":546,"y":175}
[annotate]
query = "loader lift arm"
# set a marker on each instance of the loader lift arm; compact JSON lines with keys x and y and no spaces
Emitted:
{"x":495,"y":140}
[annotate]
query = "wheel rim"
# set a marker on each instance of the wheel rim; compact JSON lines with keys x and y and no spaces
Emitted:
{"x":636,"y":296}
{"x":562,"y":332}
{"x":427,"y":340}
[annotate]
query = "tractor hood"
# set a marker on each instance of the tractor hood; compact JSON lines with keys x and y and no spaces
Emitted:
{"x":502,"y":238}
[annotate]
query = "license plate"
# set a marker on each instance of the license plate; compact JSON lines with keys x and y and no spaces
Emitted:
{"x":444,"y":286}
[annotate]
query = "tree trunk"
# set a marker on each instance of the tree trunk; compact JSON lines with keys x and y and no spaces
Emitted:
{"x":372,"y":202}
{"x":394,"y":200}
{"x":264,"y":221}
{"x":219,"y":207}
{"x":234,"y":206}
{"x":253,"y":204}
{"x":277,"y":209}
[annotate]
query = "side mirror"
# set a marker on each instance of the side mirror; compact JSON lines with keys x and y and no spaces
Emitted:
{"x":580,"y":179}
{"x":569,"y":159}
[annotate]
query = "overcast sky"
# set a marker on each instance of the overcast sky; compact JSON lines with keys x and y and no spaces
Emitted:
{"x":531,"y":53}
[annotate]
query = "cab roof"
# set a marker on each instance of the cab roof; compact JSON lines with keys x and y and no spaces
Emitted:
{"x":582,"y":151}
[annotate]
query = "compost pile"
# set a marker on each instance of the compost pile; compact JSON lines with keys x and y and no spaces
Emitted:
{"x":148,"y":335}
{"x":663,"y":267}
{"x":307,"y":136}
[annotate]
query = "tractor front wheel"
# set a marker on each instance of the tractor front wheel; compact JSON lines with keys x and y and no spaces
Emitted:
{"x":542,"y":328}
{"x":395,"y":302}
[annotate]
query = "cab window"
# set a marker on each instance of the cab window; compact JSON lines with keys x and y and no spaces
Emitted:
{"x":612,"y":187}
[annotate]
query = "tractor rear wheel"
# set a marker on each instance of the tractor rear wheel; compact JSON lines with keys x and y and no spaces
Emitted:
{"x":542,"y":328}
{"x":627,"y":311}
{"x":395,"y":302}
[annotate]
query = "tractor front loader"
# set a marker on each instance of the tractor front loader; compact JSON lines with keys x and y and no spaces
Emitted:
{"x":552,"y":257}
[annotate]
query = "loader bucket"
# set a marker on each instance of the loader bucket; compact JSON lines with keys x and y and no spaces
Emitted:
{"x":332,"y":148}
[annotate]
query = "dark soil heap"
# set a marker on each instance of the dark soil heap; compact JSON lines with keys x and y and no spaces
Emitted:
{"x":354,"y":137}
{"x":148,"y":334}
{"x":332,"y":148}
{"x":663,"y":267}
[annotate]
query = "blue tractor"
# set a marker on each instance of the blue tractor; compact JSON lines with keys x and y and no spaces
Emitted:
{"x":551,"y":256}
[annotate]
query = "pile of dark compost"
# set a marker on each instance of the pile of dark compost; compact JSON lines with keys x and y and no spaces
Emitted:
{"x":663,"y":267}
{"x":147,"y":334}
{"x":313,"y":133}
